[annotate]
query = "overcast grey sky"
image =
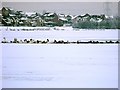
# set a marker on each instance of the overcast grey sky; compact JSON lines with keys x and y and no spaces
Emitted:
{"x":73,"y":8}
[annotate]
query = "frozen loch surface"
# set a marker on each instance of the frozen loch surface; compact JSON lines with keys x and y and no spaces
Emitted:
{"x":58,"y":65}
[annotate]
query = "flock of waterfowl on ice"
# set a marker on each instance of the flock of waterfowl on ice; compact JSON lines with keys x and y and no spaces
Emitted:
{"x":47,"y":41}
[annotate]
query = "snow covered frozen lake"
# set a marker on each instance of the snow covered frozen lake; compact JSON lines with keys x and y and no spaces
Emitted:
{"x":91,"y":66}
{"x":60,"y":65}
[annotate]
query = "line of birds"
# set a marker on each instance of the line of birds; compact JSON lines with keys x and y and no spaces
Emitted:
{"x":32,"y":41}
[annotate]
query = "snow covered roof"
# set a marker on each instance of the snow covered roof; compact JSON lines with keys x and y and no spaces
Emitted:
{"x":99,"y":20}
{"x":21,"y":12}
{"x":30,"y":13}
{"x":48,"y":14}
{"x":6,"y":8}
{"x":75,"y":16}
{"x":61,"y":15}
{"x":71,"y":16}
{"x":106,"y":16}
{"x":64,"y":19}
{"x":49,"y":22}
{"x":11,"y":9}
{"x":21,"y":22}
{"x":23,"y":18}
{"x":66,"y":15}
{"x":94,"y":20}
{"x":12,"y":15}
{"x":83,"y":14}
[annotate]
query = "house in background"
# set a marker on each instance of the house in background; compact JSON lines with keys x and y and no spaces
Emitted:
{"x":51,"y":19}
{"x":62,"y":19}
{"x":10,"y":17}
{"x":39,"y":21}
{"x":66,"y":20}
{"x":34,"y":19}
{"x":69,"y":20}
{"x":5,"y":11}
{"x":0,"y":17}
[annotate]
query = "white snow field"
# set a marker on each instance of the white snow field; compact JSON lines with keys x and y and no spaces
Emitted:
{"x":68,"y":34}
{"x":0,"y":60}
{"x":60,"y":65}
